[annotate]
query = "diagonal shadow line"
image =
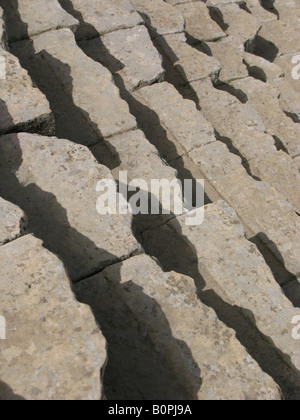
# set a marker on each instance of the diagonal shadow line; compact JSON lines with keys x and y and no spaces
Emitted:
{"x":49,"y":223}
{"x":258,"y":344}
{"x":135,"y":369}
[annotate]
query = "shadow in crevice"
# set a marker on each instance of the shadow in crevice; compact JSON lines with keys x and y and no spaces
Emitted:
{"x":276,"y":263}
{"x":217,"y":16}
{"x":198,"y":45}
{"x":256,"y":72}
{"x":268,"y":5}
{"x":243,"y":5}
{"x":263,"y":48}
{"x":7,"y":394}
{"x":237,"y":93}
{"x":140,"y":371}
{"x":236,"y":152}
{"x":135,"y":369}
{"x":176,"y":252}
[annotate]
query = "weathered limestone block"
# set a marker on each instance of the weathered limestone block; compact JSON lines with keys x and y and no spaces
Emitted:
{"x":179,"y":117}
{"x":261,"y":68}
{"x":60,"y":200}
{"x":230,"y":53}
{"x":53,"y":348}
{"x":199,"y":24}
{"x":140,"y":59}
{"x":251,"y":199}
{"x":235,"y":21}
{"x":226,"y":113}
{"x":262,"y":97}
{"x":22,"y":106}
{"x":90,"y":84}
{"x":267,"y":214}
{"x":263,"y":15}
{"x":106,"y":15}
{"x":160,"y":18}
{"x":287,"y":43}
{"x":234,"y":268}
{"x":190,"y":63}
{"x":29,"y":18}
{"x":289,"y":100}
{"x":12,"y":222}
{"x":201,"y":351}
{"x":232,"y":120}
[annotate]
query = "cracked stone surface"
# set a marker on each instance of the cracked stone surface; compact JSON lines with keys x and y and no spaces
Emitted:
{"x":21,"y":104}
{"x":124,"y":305}
{"x":36,"y":17}
{"x":13,"y":222}
{"x":165,"y":303}
{"x":52,"y":200}
{"x":53,"y":348}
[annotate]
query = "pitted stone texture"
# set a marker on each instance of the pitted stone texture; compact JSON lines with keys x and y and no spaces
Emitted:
{"x":194,"y":343}
{"x":237,"y":22}
{"x":90,"y":84}
{"x":238,"y":273}
{"x":289,"y":99}
{"x":190,"y":63}
{"x":22,"y":106}
{"x":230,"y":53}
{"x":106,"y":15}
{"x":134,"y":49}
{"x":60,"y":201}
{"x":265,"y":100}
{"x":160,"y":18}
{"x":199,"y":24}
{"x":261,"y":68}
{"x":141,"y":160}
{"x":53,"y":348}
{"x":226,"y":113}
{"x":263,"y":15}
{"x":284,"y":35}
{"x":29,"y":18}
{"x":232,"y":121}
{"x":223,"y":170}
{"x":266,"y":214}
{"x":12,"y":222}
{"x":179,"y":117}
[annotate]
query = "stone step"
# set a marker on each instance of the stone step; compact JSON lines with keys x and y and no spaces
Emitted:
{"x":160,"y":18}
{"x":234,"y":272}
{"x":235,"y":22}
{"x":233,"y":121}
{"x":229,"y":52}
{"x":60,"y":201}
{"x":28,"y":18}
{"x":198,"y":23}
{"x":140,"y":62}
{"x":22,"y":106}
{"x":264,"y":100}
{"x":97,"y":97}
{"x":13,"y":222}
{"x":191,"y":64}
{"x":102,"y":17}
{"x":224,"y":171}
{"x":53,"y":348}
{"x":201,"y":352}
